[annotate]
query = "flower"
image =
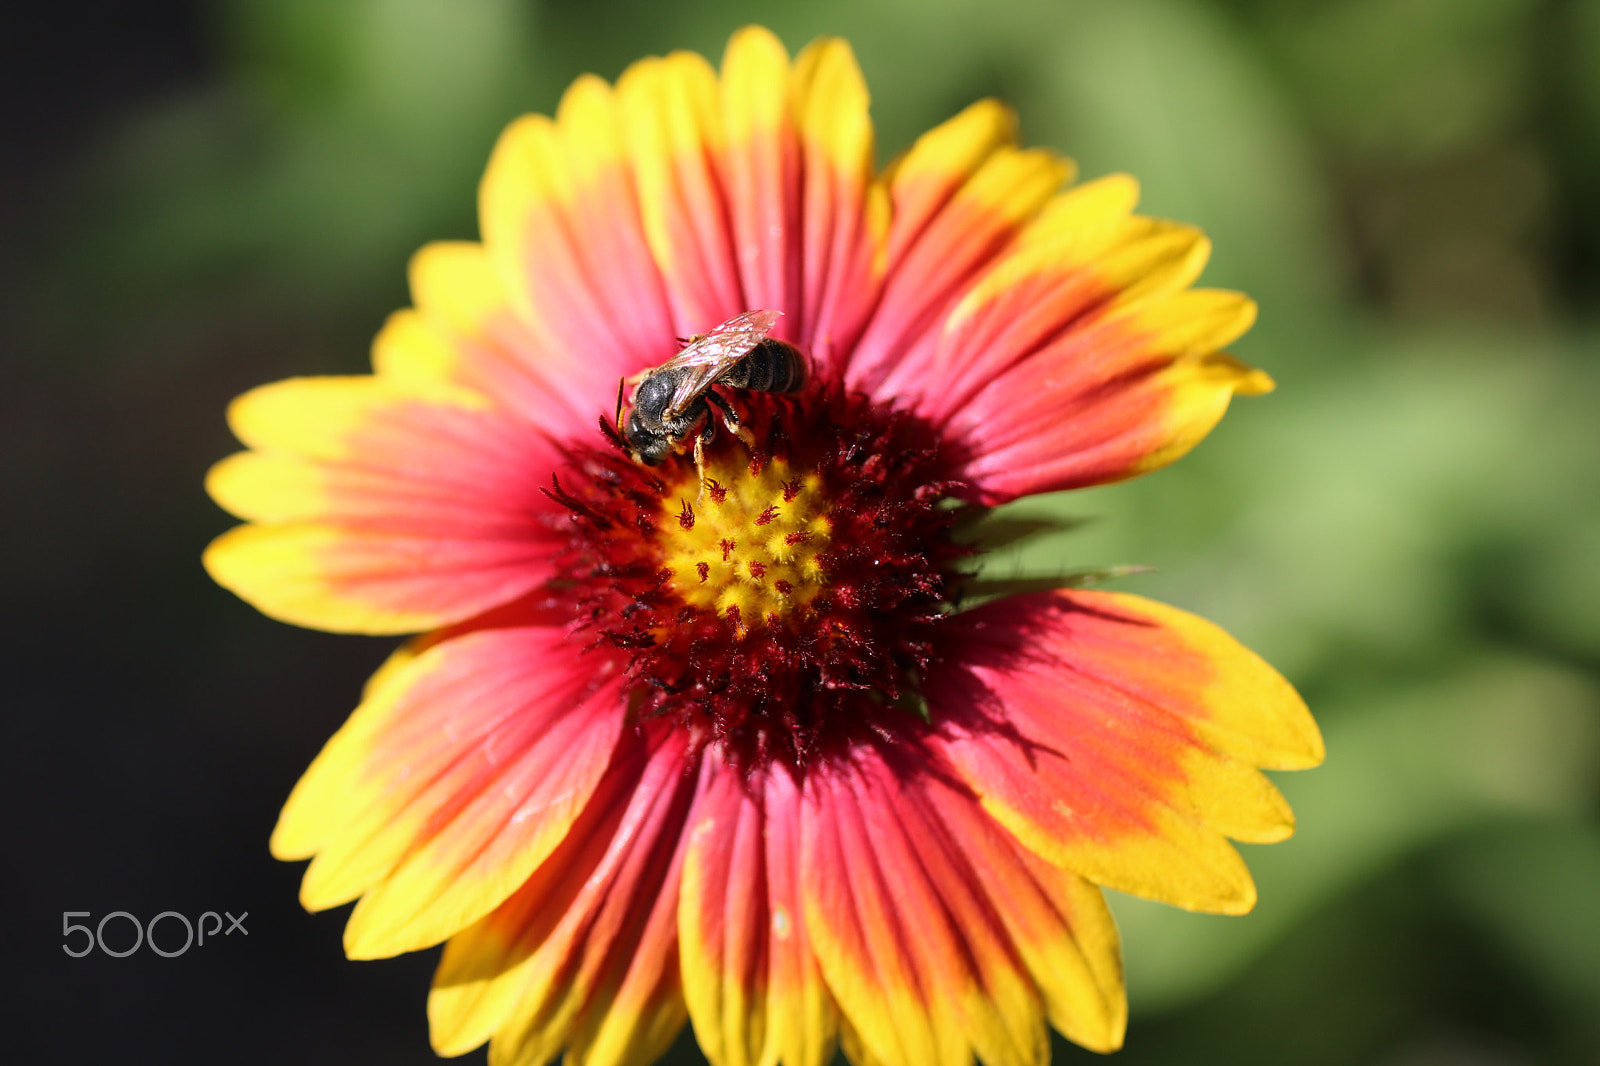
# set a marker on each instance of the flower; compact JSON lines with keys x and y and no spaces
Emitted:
{"x":711,"y":740}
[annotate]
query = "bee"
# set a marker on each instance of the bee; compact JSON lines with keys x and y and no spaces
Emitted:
{"x":670,"y":402}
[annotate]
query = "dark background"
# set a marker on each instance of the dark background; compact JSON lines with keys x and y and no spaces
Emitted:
{"x":197,"y":198}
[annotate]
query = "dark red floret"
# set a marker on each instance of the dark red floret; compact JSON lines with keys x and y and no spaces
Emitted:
{"x":828,"y":661}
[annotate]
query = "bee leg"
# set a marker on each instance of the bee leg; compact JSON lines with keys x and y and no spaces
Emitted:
{"x":701,"y":439}
{"x":730,"y":419}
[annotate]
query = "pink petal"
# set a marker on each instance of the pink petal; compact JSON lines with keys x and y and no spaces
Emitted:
{"x":584,"y":955}
{"x":382,"y":508}
{"x":460,"y":772}
{"x":751,"y":983}
{"x":1118,"y":738}
{"x":914,"y":952}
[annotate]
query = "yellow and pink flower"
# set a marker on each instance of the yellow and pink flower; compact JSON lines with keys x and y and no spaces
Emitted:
{"x":720,"y":745}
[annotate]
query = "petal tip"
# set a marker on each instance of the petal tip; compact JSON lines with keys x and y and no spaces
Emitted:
{"x":755,"y":38}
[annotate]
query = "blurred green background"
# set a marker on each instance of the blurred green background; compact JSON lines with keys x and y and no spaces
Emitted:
{"x":1409,"y":528}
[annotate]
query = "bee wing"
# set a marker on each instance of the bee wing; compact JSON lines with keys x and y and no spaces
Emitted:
{"x":709,"y":355}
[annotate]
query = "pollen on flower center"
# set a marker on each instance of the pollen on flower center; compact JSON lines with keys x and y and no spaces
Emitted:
{"x":782,"y":598}
{"x":744,"y":544}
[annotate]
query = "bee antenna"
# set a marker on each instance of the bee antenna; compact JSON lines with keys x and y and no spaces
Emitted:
{"x":621,"y":382}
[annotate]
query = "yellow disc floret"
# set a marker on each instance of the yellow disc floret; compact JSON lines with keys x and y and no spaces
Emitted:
{"x":746,"y":544}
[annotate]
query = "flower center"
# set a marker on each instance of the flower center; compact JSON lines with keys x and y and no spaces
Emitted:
{"x":785,"y":596}
{"x":749,"y":548}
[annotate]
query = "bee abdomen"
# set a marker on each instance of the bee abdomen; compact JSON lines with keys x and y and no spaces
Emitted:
{"x":771,"y":366}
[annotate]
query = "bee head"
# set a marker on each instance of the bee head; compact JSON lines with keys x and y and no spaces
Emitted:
{"x":644,"y":444}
